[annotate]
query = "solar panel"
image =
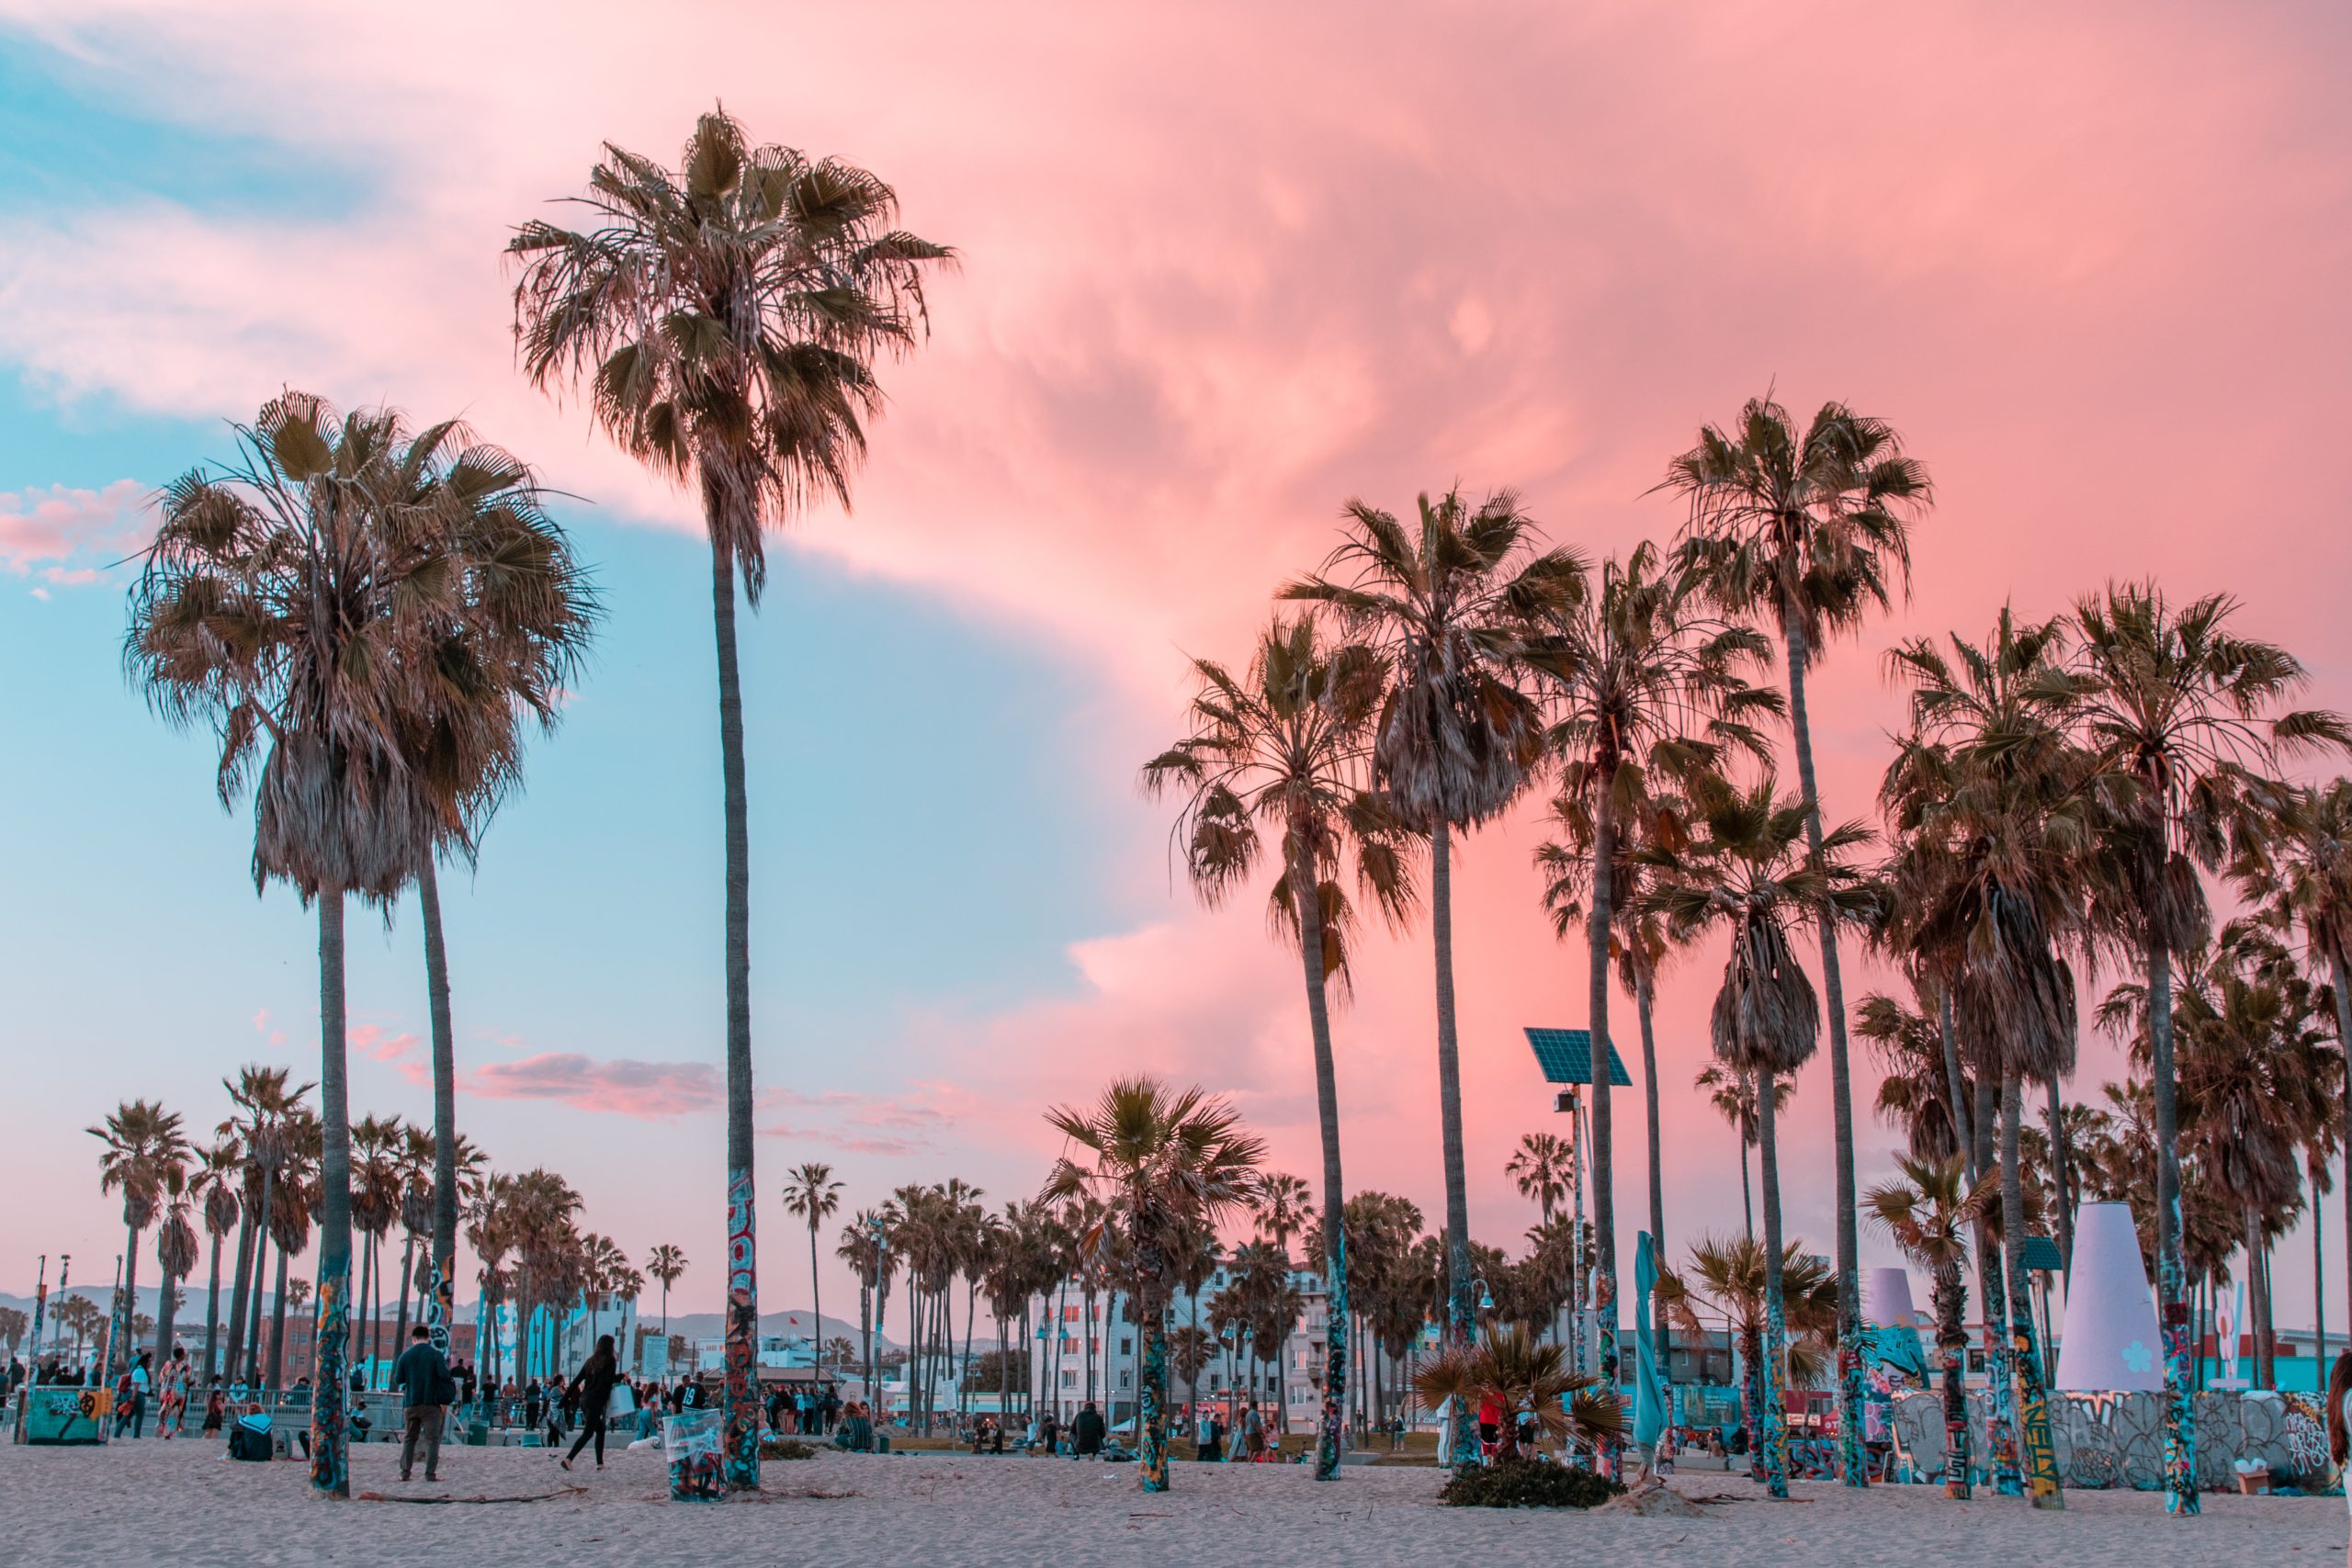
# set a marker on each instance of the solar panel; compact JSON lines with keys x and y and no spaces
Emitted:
{"x":1565,"y":1057}
{"x":2041,"y":1255}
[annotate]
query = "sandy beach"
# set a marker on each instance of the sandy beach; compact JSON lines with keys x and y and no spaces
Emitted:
{"x":181,"y":1502}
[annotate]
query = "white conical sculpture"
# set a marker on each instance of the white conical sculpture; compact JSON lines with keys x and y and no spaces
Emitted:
{"x":2110,"y":1343}
{"x":1886,"y":1307}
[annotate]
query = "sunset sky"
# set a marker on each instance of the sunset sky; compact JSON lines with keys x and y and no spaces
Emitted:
{"x":1224,"y":268}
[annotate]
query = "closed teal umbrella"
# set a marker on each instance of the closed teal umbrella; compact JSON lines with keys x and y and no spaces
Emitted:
{"x":1649,"y":1389}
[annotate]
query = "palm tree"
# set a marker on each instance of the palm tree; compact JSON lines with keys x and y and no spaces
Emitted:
{"x":300,"y":601}
{"x":666,"y":1263}
{"x":810,"y":1192}
{"x":1447,"y":608}
{"x":1749,"y":874}
{"x":1993,"y":806}
{"x":269,"y":1101}
{"x":1287,"y":747}
{"x":1732,"y":1094}
{"x":1511,"y":1367}
{"x":219,"y":1173}
{"x":1642,"y":688}
{"x":2301,"y":880}
{"x":726,"y":317}
{"x":1162,"y":1163}
{"x":291,"y":1215}
{"x":145,"y":1159}
{"x":1806,"y":532}
{"x":1928,"y":1214}
{"x":2181,"y":716}
{"x":375,"y":1204}
{"x":176,"y":1255}
{"x":1539,"y":1169}
{"x":1765,"y":1293}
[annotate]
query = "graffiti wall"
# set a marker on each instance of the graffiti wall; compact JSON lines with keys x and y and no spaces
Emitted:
{"x":2118,"y":1440}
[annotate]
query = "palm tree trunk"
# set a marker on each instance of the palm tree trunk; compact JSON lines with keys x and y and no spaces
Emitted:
{"x":2318,"y":1281}
{"x":816,"y":1297}
{"x":277,"y":1329}
{"x":1746,"y":1191}
{"x":236,"y":1324}
{"x":1660,"y":1328}
{"x":742,"y":1395}
{"x":1852,"y":1393}
{"x":1307,"y":895}
{"x":2025,"y":1364}
{"x":212,"y":1315}
{"x":330,"y":1465}
{"x":1772,"y":1419}
{"x":1955,"y":1085}
{"x":2062,"y":1177}
{"x":262,"y":1241}
{"x":1604,"y":1193}
{"x":1951,"y":1355}
{"x":408,"y":1272}
{"x":2172,"y":1304}
{"x":1151,"y":1390}
{"x":1459,"y":1315}
{"x":365,"y":1338}
{"x":127,"y":1311}
{"x":166,"y":1309}
{"x":442,"y":1313}
{"x":2000,"y":1427}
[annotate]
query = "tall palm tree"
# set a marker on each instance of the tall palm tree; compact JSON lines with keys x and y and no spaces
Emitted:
{"x":375,"y":1204}
{"x":214,"y":1184}
{"x":145,"y":1159}
{"x":267,"y":1100}
{"x":1162,"y":1163}
{"x":1806,"y":531}
{"x":1539,"y":1169}
{"x":291,"y":1216}
{"x":724,"y":317}
{"x":1754,"y":872}
{"x":1993,"y":804}
{"x":1287,"y":747}
{"x":1928,"y":1214}
{"x":1644,"y":688}
{"x":811,"y":1194}
{"x":666,"y":1264}
{"x":296,"y":600}
{"x":1448,"y":607}
{"x":2183,"y":716}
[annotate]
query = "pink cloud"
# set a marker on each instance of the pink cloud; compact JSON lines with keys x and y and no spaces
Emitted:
{"x":69,"y":535}
{"x":371,"y":1040}
{"x":657,"y":1091}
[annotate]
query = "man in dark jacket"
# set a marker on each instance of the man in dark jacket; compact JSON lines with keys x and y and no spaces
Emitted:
{"x":1086,"y":1429}
{"x":423,"y":1376}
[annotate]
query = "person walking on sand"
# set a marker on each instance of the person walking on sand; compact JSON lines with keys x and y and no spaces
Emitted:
{"x":173,"y":1410}
{"x":422,"y":1374}
{"x":591,"y":1394}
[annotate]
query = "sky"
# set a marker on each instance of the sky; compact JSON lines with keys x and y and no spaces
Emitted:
{"x":1222,"y":268}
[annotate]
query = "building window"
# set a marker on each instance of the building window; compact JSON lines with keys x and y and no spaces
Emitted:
{"x":1127,"y":1346}
{"x":1125,"y":1380}
{"x":1070,"y":1380}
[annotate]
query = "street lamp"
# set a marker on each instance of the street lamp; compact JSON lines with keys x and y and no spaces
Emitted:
{"x":1486,"y":1296}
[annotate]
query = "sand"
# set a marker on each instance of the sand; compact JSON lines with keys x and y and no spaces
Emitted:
{"x":181,"y":1502}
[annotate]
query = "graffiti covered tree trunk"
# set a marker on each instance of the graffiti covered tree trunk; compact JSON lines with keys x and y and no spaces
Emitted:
{"x":1952,"y":1357}
{"x":1604,"y":1164}
{"x":1152,"y":1402}
{"x":2172,"y":1278}
{"x":741,"y":1398}
{"x":1307,"y":895}
{"x":1461,"y":1323}
{"x":330,"y":1464}
{"x":1771,"y":1417}
{"x":2000,"y":1429}
{"x":2025,"y":1363}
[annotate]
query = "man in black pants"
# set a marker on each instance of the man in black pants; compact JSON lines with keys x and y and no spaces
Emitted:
{"x":423,"y":1376}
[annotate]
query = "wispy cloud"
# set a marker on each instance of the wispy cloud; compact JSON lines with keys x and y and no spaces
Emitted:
{"x":619,"y":1085}
{"x":69,"y":536}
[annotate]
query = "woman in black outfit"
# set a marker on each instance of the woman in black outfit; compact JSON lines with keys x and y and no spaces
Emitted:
{"x":593,"y":1388}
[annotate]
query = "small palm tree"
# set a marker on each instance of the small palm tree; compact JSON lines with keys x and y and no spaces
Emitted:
{"x":667,"y":1264}
{"x":1750,"y":872}
{"x":1807,"y":531}
{"x":1520,"y":1372}
{"x":1732,"y":1094}
{"x":1449,"y":606}
{"x":1783,"y":1307}
{"x":725,"y":317}
{"x":213,"y":1185}
{"x":1286,"y":750}
{"x":1928,"y":1214}
{"x":145,"y":1159}
{"x":1541,"y":1167}
{"x":176,"y":1255}
{"x":811,"y":1194}
{"x":1162,"y":1163}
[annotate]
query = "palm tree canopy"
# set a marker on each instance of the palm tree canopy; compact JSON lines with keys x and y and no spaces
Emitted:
{"x":1541,"y":1167}
{"x":1451,"y":607}
{"x":1749,"y":870}
{"x":144,"y":1159}
{"x":725,"y":316}
{"x":1158,"y":1160}
{"x":1807,"y":530}
{"x":1520,"y":1372}
{"x":1285,"y":747}
{"x":1931,"y":1210}
{"x":355,"y":610}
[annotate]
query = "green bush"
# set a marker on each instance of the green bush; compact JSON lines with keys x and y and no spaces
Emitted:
{"x":1527,"y":1484}
{"x":786,"y":1448}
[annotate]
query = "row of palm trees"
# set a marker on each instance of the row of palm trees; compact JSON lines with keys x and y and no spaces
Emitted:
{"x":2058,"y":792}
{"x":368,"y":616}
